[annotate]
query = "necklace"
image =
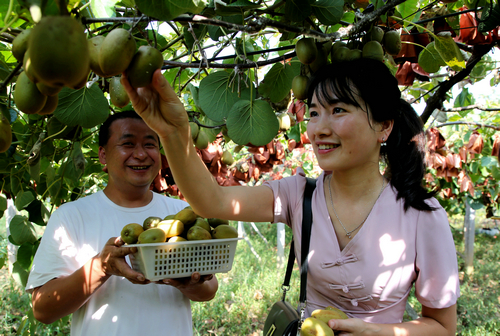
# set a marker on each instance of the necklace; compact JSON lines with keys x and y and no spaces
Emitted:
{"x":348,"y":233}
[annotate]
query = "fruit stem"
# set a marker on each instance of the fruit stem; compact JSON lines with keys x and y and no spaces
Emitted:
{"x":414,"y":24}
{"x":63,"y":9}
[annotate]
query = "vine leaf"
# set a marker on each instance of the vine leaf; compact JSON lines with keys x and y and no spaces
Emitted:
{"x":328,"y":12}
{"x":85,"y":107}
{"x":297,"y":10}
{"x":21,"y":230}
{"x":252,"y":122}
{"x":104,"y":8}
{"x":408,"y":9}
{"x":23,"y":199}
{"x":449,"y":51}
{"x":25,"y":255}
{"x":278,"y":81}
{"x":218,"y":93}
{"x":166,"y":10}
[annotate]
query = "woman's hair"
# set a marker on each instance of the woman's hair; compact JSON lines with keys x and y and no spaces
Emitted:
{"x":373,"y":82}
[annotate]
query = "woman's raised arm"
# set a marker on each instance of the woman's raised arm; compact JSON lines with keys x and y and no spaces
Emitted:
{"x":161,"y":109}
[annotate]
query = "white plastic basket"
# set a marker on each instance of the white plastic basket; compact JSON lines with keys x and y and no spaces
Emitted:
{"x":180,"y":259}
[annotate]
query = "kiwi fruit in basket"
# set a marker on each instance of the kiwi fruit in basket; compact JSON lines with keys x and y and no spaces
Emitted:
{"x":130,"y":233}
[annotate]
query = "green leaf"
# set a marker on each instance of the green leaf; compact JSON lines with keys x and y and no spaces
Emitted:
{"x":278,"y":81}
{"x":3,"y":203}
{"x":465,"y":98}
{"x":235,"y":8}
{"x":218,"y":95}
{"x":199,"y":31}
{"x":495,"y":172}
{"x":103,"y":8}
{"x":38,"y":213}
{"x":408,"y":9}
{"x":449,"y":51}
{"x":490,"y":18}
{"x":71,"y":173}
{"x":22,"y":230}
{"x":429,"y":59}
{"x":85,"y":107}
{"x":19,"y":274}
{"x":488,"y":161}
{"x":25,"y":255}
{"x":166,"y":10}
{"x":23,"y":199}
{"x":328,"y":12}
{"x":297,"y":10}
{"x":252,"y":122}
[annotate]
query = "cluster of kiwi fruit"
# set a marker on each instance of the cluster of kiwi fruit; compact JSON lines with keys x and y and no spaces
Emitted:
{"x":185,"y":225}
{"x":56,"y":53}
{"x":374,"y":44}
{"x":317,"y":323}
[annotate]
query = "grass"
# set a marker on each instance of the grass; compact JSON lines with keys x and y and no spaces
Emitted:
{"x":247,"y":292}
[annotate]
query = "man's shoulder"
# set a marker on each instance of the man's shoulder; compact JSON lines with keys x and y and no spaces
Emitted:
{"x":82,"y":201}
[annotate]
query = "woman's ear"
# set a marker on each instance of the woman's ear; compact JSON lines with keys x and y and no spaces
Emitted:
{"x":386,"y":129}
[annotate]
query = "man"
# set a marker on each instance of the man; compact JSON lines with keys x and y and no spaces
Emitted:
{"x":78,"y":269}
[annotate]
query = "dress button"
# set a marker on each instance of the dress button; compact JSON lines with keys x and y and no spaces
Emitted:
{"x":345,"y":289}
{"x":354,"y":302}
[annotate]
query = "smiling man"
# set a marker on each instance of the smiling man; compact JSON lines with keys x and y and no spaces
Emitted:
{"x":80,"y":266}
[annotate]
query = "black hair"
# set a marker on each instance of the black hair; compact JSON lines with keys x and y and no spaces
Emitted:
{"x":372,"y":81}
{"x":104,"y":130}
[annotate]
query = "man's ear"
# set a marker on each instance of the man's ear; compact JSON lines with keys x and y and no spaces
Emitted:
{"x":102,"y":155}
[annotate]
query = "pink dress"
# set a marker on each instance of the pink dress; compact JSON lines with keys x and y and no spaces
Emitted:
{"x":373,"y":275}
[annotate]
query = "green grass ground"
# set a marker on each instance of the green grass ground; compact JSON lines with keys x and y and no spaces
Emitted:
{"x":247,"y":292}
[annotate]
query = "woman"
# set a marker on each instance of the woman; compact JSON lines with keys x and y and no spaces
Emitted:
{"x":374,"y":235}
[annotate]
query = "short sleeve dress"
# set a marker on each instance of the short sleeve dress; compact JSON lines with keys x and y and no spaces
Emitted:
{"x":372,"y":276}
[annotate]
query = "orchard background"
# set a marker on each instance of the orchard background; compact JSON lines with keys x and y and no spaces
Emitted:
{"x":233,"y":63}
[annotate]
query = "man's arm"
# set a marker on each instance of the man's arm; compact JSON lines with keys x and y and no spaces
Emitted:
{"x":64,"y":295}
{"x":196,"y":288}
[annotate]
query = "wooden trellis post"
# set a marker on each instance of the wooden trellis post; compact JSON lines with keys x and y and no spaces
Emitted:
{"x":469,"y":235}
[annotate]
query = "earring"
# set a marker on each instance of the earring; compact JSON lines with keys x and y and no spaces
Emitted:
{"x":383,"y":142}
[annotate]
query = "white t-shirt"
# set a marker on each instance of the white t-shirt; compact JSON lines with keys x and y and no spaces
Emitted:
{"x":76,"y":232}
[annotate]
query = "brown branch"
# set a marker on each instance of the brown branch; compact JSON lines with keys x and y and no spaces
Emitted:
{"x":13,"y":73}
{"x":173,"y":64}
{"x":469,"y":107}
{"x":436,"y":100}
{"x":468,"y":123}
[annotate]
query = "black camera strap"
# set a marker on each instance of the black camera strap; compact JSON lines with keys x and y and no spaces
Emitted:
{"x":306,"y":235}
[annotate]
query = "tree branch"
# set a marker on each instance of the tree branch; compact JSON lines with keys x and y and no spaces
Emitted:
{"x":468,"y":123}
{"x":436,"y":100}
{"x":470,"y":107}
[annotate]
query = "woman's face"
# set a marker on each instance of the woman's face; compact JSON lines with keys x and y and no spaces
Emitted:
{"x":342,"y":136}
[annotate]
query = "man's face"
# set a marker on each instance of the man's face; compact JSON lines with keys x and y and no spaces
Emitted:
{"x":132,"y":154}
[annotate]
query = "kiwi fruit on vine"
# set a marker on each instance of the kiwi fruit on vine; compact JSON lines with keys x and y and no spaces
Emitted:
{"x":117,"y":93}
{"x":340,"y":54}
{"x":227,"y":158}
{"x":376,"y":34}
{"x":320,"y":60}
{"x":48,"y":90}
{"x":28,"y":68}
{"x":20,"y":44}
{"x":50,"y":105}
{"x":26,"y":95}
{"x":117,"y":51}
{"x":194,"y":129}
{"x":59,"y":51}
{"x":201,"y":141}
{"x":299,"y":87}
{"x":94,"y":44}
{"x":354,"y":54}
{"x":145,"y":62}
{"x":392,"y":42}
{"x":306,"y":50}
{"x":5,"y":134}
{"x":374,"y":50}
